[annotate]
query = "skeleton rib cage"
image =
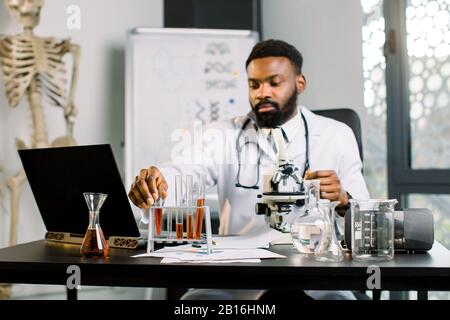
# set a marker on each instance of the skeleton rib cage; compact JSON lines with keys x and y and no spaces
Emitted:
{"x":28,"y":59}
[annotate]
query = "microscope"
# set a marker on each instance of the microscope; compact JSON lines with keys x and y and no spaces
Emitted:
{"x":282,"y":190}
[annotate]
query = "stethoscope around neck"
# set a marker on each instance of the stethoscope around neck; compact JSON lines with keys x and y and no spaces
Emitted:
{"x":239,"y":151}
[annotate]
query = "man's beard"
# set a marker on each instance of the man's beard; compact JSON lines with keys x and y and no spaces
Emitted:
{"x":276,"y":117}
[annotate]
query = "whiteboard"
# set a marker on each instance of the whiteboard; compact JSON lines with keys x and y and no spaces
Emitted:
{"x":176,"y":78}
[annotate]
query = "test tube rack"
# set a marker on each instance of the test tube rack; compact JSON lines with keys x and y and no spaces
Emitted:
{"x":162,"y":219}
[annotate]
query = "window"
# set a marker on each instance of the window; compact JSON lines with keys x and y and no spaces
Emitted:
{"x":406,"y":94}
{"x":428,"y":50}
{"x":418,"y":104}
{"x":374,"y":66}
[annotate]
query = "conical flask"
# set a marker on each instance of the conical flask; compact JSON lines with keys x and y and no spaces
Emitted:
{"x":94,"y":243}
{"x":306,"y":229}
{"x":329,"y":248}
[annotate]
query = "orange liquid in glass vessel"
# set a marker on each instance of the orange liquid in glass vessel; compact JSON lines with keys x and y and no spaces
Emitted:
{"x":179,"y":231}
{"x":94,"y":244}
{"x":190,"y":226}
{"x":158,"y":220}
{"x":199,"y":219}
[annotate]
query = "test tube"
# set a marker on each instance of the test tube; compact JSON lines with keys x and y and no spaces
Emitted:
{"x":190,"y":211}
{"x":169,"y":222}
{"x":179,"y":196}
{"x":179,"y":225}
{"x":200,"y":197}
{"x":158,"y":216}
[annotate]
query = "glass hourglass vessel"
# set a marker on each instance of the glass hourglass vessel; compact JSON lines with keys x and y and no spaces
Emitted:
{"x":94,"y":243}
{"x":329,"y":248}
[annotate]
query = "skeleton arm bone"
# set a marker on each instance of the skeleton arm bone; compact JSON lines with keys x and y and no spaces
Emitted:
{"x":70,"y":110}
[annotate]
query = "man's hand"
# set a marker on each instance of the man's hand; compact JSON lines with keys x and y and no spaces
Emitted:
{"x":330,"y":186}
{"x":148,"y":186}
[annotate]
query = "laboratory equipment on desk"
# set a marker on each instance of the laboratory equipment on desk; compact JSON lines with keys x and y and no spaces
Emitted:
{"x":180,"y":203}
{"x":282,"y":190}
{"x":372,"y":228}
{"x":199,"y":194}
{"x":159,"y":203}
{"x":329,"y":249}
{"x":307,"y":228}
{"x":413,"y":230}
{"x":189,"y":203}
{"x":94,"y":243}
{"x":187,"y":194}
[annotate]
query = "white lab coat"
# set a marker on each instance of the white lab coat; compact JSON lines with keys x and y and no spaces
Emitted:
{"x":332,"y":147}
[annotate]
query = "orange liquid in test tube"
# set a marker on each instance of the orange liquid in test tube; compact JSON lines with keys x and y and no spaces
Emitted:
{"x":190,"y":226}
{"x":179,"y":231}
{"x":158,"y":220}
{"x":199,"y":218}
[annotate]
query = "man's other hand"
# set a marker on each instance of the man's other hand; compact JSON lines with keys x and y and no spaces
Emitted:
{"x":330,"y":186}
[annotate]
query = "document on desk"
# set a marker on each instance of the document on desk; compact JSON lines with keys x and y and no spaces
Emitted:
{"x":249,"y":248}
{"x":189,"y":254}
{"x":256,"y":239}
{"x":171,"y":260}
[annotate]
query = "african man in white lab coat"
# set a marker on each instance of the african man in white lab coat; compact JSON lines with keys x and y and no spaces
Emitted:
{"x":235,"y":154}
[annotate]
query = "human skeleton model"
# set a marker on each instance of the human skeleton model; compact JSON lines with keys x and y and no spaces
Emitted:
{"x":33,"y":68}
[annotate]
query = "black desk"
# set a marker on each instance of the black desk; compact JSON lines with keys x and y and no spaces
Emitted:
{"x":42,"y":262}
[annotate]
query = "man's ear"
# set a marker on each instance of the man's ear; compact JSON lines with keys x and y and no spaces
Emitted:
{"x":300,"y":83}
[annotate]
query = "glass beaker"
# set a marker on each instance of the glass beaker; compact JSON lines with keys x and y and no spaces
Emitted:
{"x":372,"y":229}
{"x":306,"y":230}
{"x":329,"y":248}
{"x":94,"y":243}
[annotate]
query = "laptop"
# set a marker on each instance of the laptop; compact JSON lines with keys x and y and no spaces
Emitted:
{"x":59,"y":176}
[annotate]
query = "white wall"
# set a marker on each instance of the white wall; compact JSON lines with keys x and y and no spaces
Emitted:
{"x":100,"y":93}
{"x":328,"y":33}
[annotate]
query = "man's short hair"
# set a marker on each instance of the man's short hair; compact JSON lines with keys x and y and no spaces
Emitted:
{"x":276,"y":48}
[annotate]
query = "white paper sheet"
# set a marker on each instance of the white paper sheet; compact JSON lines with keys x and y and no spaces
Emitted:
{"x":171,"y":260}
{"x":228,"y":249}
{"x":186,"y":255}
{"x":252,"y":240}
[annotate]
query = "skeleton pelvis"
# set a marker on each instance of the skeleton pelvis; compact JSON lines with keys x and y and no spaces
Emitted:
{"x":64,"y":141}
{"x":20,"y":144}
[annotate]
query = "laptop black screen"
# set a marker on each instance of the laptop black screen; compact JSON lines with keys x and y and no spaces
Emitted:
{"x":59,"y":176}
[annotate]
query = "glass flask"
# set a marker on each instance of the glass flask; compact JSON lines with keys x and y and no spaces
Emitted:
{"x":329,"y":248}
{"x":306,"y":230}
{"x":94,"y":243}
{"x":372,"y":229}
